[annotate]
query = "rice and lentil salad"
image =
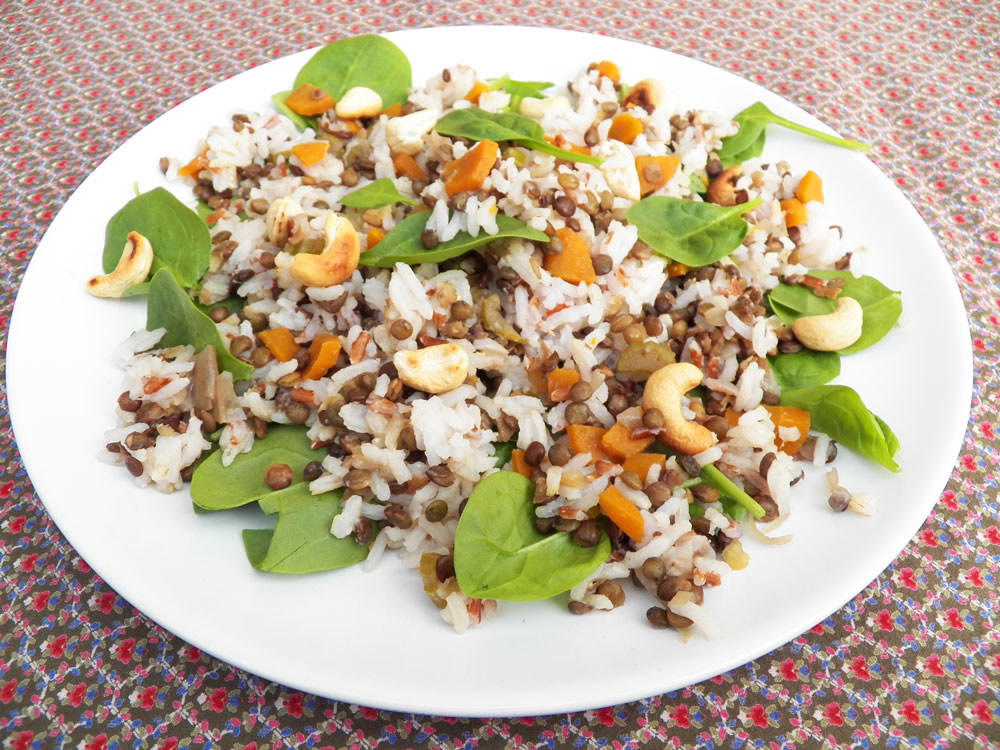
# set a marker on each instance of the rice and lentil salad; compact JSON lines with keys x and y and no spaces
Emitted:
{"x":536,"y":340}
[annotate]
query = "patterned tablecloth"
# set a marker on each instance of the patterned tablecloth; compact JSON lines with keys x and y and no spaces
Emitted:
{"x":912,"y":661}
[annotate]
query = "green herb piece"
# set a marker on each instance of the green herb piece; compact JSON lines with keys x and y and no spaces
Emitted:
{"x":218,"y":487}
{"x":181,"y":242}
{"x":725,"y":485}
{"x":519,"y":90}
{"x":302,"y":122}
{"x":402,"y":244}
{"x":838,"y":411}
{"x":379,"y":193}
{"x":169,"y":306}
{"x":478,"y":125}
{"x":880,"y":305}
{"x":748,"y":142}
{"x":499,"y":554}
{"x":503,"y":452}
{"x":689,"y":232}
{"x":368,"y":60}
{"x":301,"y":541}
{"x":804,"y":369}
{"x":697,"y":185}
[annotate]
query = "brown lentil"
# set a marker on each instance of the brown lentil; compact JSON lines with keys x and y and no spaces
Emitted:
{"x":444,"y":568}
{"x":652,"y":418}
{"x":564,"y":206}
{"x":133,"y":465}
{"x":240,"y":345}
{"x":658,"y":618}
{"x":617,"y":403}
{"x":613,"y":591}
{"x":534,"y":454}
{"x":620,"y":322}
{"x":297,"y":413}
{"x":441,"y":475}
{"x":560,"y":454}
{"x":631,"y":480}
{"x":603,"y":264}
{"x":136,"y":441}
{"x":278,"y":476}
{"x":461,"y":310}
{"x":587,"y":534}
{"x":654,"y":569}
{"x":149,"y":412}
{"x":400,"y":329}
{"x":363,"y":531}
{"x":579,"y":608}
{"x":258,"y":206}
{"x":577,"y":413}
{"x":312,"y":471}
{"x":397,"y":516}
{"x":436,"y":511}
{"x":580,"y":391}
{"x":349,"y":177}
{"x":127,"y":403}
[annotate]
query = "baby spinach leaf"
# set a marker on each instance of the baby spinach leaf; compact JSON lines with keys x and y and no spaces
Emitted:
{"x":479,"y":125}
{"x":748,"y":142}
{"x":503,"y":453}
{"x":367,"y":60}
{"x":804,"y":369}
{"x":838,"y":411}
{"x":218,"y":487}
{"x":379,"y":193}
{"x":519,"y":90}
{"x":697,"y":185}
{"x":499,"y":554}
{"x":402,"y":244}
{"x":302,"y":122}
{"x":687,"y":231}
{"x":180,"y":239}
{"x":169,"y":306}
{"x":715,"y":478}
{"x":301,"y":541}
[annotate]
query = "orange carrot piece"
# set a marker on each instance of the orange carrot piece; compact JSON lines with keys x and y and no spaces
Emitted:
{"x":374,"y":237}
{"x":311,"y":153}
{"x":153,"y":383}
{"x":193,"y":167}
{"x":810,"y":188}
{"x":573,"y":264}
{"x":518,"y":464}
{"x":733,"y":417}
{"x":280,"y":342}
{"x":307,"y":100}
{"x":478,"y":89}
{"x":406,"y":166}
{"x":393,"y":110}
{"x":641,"y":463}
{"x":559,"y":142}
{"x":789,"y":416}
{"x":302,"y":395}
{"x":619,"y":444}
{"x":655,"y":171}
{"x":676,"y":269}
{"x":624,"y":128}
{"x":559,"y":381}
{"x":323,"y":353}
{"x":607,"y":69}
{"x":468,"y":171}
{"x":620,"y":509}
{"x":586,"y":439}
{"x":794,"y":211}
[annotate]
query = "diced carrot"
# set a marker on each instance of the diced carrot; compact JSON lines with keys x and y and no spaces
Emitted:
{"x":536,"y":376}
{"x":789,"y":416}
{"x":733,"y":417}
{"x":478,"y":89}
{"x":619,"y":444}
{"x":641,"y":463}
{"x":620,"y":509}
{"x":308,"y":100}
{"x":676,"y":269}
{"x":468,"y":171}
{"x":573,"y":264}
{"x":586,"y":439}
{"x":323,"y":353}
{"x":655,"y":171}
{"x":406,"y":166}
{"x":810,"y":188}
{"x":375,"y":236}
{"x":559,"y":381}
{"x":559,"y":142}
{"x":607,"y":69}
{"x":193,"y":167}
{"x":153,"y":383}
{"x":280,"y":342}
{"x":311,"y":153}
{"x":302,"y":395}
{"x":794,"y":211}
{"x":518,"y":464}
{"x":624,"y":128}
{"x":393,"y":110}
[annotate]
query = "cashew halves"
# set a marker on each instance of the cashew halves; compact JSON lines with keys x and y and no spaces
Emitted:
{"x":359,"y":101}
{"x":647,"y":93}
{"x":337,"y":261}
{"x":833,"y":331}
{"x":434,"y":369}
{"x":721,"y":191}
{"x":132,"y":268}
{"x":282,"y":227}
{"x":663,"y":391}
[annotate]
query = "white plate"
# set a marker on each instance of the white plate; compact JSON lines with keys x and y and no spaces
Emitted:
{"x":374,"y":639}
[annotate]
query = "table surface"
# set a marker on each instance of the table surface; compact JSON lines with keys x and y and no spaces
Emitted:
{"x":912,"y":661}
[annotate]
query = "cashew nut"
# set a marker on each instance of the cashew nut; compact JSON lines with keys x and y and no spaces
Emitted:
{"x":360,"y":101}
{"x":833,"y":331}
{"x":722,"y":191}
{"x":621,"y":176}
{"x":405,"y":134}
{"x":647,"y":93}
{"x":663,"y":391}
{"x":536,"y":108}
{"x":337,"y":261}
{"x":132,"y":268}
{"x":281,"y":225}
{"x":434,"y":369}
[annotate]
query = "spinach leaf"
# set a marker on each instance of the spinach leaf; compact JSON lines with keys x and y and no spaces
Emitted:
{"x":804,"y":369}
{"x":402,"y":244}
{"x":687,"y":231}
{"x":499,"y":554}
{"x":301,"y":541}
{"x":697,"y":185}
{"x":715,"y":478}
{"x":880,"y":305}
{"x":300,"y":121}
{"x":379,"y":193}
{"x":170,"y":307}
{"x":218,"y":487}
{"x":519,"y":90}
{"x":838,"y":411}
{"x":231,"y":304}
{"x":368,"y":60}
{"x":180,"y":239}
{"x":478,"y":125}
{"x":503,"y":452}
{"x":748,"y":142}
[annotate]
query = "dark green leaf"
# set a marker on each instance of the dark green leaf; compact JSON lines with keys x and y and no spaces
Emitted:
{"x":804,"y":369}
{"x":503,"y":453}
{"x":499,"y":554}
{"x":403,"y":244}
{"x":379,"y":193}
{"x":180,"y":239}
{"x":367,"y":60}
{"x":838,"y":411}
{"x":712,"y":476}
{"x":300,"y":121}
{"x":520,"y":89}
{"x":230,"y":304}
{"x":697,"y":185}
{"x":170,"y":307}
{"x":218,"y":487}
{"x":687,"y":231}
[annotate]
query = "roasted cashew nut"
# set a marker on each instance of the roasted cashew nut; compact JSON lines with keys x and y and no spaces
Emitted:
{"x":132,"y":268}
{"x":337,"y":261}
{"x":663,"y":391}
{"x":359,"y":101}
{"x":623,"y":180}
{"x":405,"y":134}
{"x":833,"y":331}
{"x":647,"y":93}
{"x":281,"y":224}
{"x":434,"y":369}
